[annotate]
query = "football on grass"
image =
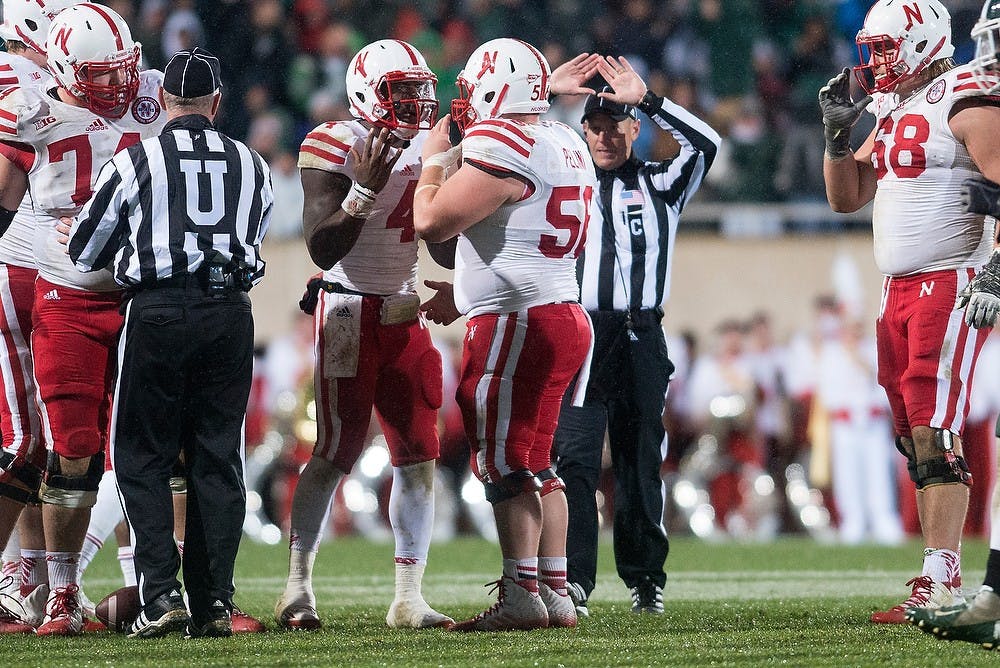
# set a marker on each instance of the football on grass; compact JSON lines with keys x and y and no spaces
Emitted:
{"x":119,"y":608}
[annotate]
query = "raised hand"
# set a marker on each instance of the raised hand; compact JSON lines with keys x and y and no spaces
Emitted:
{"x":568,"y":78}
{"x":840,"y":113}
{"x":376,"y":159}
{"x":626,"y":84}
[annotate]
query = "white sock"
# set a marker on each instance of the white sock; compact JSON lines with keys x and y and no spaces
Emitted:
{"x":552,"y":571}
{"x":63,"y":568}
{"x":310,"y":508}
{"x":91,"y":546}
{"x":34,"y":570}
{"x":127,"y":565}
{"x":523,"y":571}
{"x":12,"y":551}
{"x":942,"y":565}
{"x":411,"y":510}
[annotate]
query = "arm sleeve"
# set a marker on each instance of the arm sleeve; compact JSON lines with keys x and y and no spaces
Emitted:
{"x":679,"y":178}
{"x":94,"y":236}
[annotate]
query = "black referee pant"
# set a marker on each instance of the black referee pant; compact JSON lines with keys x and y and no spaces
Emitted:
{"x":185,"y":365}
{"x":628,"y":381}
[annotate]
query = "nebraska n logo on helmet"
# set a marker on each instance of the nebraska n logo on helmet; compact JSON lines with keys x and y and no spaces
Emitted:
{"x":92,"y":56}
{"x":389,"y":85}
{"x":899,"y":40}
{"x":513,"y":78}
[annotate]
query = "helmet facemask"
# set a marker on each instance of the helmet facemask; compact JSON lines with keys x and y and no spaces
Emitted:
{"x":462,"y":112}
{"x":985,"y":65}
{"x":406,"y":104}
{"x":108,"y":88}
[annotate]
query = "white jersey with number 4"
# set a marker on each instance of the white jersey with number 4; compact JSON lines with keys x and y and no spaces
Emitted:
{"x":919,"y":222}
{"x":62,"y":148}
{"x":524,"y":254}
{"x":383,"y":261}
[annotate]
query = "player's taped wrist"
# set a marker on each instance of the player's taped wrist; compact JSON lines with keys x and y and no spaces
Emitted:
{"x":838,"y":142}
{"x":359,"y":202}
{"x":445,"y":159}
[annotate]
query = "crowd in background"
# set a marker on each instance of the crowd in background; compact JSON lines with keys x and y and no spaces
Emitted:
{"x":766,"y":435}
{"x":750,"y":67}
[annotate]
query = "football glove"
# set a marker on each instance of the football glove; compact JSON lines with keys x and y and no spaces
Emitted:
{"x":980,"y":196}
{"x":981,"y":297}
{"x":840,"y":114}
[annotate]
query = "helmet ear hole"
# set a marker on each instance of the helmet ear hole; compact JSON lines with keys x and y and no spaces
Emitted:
{"x":489,"y":96}
{"x":31,"y":25}
{"x":921,"y":46}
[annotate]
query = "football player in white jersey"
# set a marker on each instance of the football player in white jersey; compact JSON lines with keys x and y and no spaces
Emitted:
{"x":56,"y":138}
{"x":979,"y":620}
{"x":22,"y":459}
{"x":933,"y":129}
{"x":519,"y":205}
{"x":373,"y":349}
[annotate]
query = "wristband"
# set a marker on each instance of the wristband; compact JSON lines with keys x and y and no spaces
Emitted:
{"x":359,"y":202}
{"x":444,"y":159}
{"x":650,"y":102}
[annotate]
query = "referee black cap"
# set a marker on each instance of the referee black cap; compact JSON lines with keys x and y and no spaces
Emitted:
{"x":192,"y":73}
{"x":600,"y":105}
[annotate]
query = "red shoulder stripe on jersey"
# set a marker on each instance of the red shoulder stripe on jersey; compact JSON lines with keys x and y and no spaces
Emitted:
{"x":8,"y":130}
{"x":5,"y":93}
{"x":968,"y":86}
{"x":8,"y":81}
{"x":20,"y":154}
{"x":326,"y":139}
{"x":511,"y":127}
{"x":7,"y":116}
{"x":6,"y":67}
{"x":963,"y":75}
{"x":326,"y":155}
{"x":502,"y":138}
{"x":119,"y":44}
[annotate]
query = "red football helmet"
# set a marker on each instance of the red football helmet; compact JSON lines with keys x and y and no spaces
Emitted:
{"x":91,"y":54}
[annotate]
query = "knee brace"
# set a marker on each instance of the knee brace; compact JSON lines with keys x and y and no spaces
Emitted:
{"x":948,"y":469}
{"x":72,"y":491}
{"x":15,"y":467}
{"x":911,"y":460}
{"x":550,"y":481}
{"x":511,"y":485}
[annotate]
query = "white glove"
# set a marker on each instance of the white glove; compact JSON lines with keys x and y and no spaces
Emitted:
{"x":982,"y":310}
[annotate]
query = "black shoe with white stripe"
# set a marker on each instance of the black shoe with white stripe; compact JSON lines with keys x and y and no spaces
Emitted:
{"x":647,"y":596}
{"x":162,"y":615}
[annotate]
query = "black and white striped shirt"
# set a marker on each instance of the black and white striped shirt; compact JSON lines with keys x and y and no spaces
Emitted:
{"x":627,"y":257}
{"x":163,"y":204}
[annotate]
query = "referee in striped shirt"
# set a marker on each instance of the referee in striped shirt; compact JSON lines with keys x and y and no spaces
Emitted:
{"x":625,"y":278}
{"x":179,"y":220}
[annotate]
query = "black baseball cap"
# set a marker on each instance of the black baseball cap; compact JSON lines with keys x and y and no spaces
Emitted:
{"x":600,"y":105}
{"x":192,"y":73}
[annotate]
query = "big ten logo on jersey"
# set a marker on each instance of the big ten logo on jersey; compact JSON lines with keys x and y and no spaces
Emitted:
{"x":574,"y":159}
{"x":899,"y":146}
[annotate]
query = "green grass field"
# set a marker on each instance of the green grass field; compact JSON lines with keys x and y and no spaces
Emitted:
{"x":793,"y":603}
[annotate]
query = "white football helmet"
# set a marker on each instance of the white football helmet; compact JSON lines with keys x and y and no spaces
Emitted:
{"x":503,"y":76}
{"x":986,"y":32}
{"x":28,"y":21}
{"x":899,"y":39}
{"x":389,"y":85}
{"x":91,"y":54}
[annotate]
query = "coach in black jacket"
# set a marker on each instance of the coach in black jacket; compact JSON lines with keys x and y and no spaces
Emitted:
{"x":179,"y":219}
{"x":624,"y":279}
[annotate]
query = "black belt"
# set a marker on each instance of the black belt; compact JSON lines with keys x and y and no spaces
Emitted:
{"x":311,"y":296}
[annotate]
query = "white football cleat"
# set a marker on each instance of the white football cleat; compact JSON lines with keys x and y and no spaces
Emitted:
{"x":562,"y":610}
{"x":516,"y":609}
{"x":296,"y":611}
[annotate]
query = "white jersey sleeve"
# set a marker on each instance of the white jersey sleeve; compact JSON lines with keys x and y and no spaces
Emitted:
{"x":383,"y":261}
{"x":66,"y":146}
{"x":16,"y":242}
{"x":919,"y":222}
{"x":524,"y":254}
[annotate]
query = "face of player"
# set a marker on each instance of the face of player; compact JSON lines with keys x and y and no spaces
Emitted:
{"x":610,"y":141}
{"x":404,"y":93}
{"x":882,"y":53}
